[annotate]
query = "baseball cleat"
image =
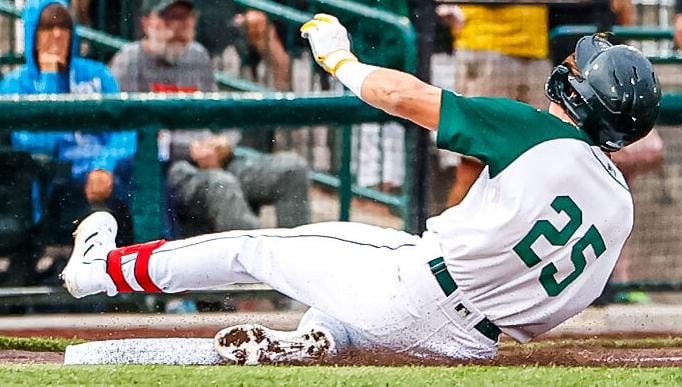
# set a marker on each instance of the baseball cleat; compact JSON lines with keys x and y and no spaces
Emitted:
{"x":252,"y":344}
{"x":85,"y":273}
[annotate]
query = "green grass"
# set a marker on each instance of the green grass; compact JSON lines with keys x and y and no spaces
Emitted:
{"x":346,"y":376}
{"x":37,"y":344}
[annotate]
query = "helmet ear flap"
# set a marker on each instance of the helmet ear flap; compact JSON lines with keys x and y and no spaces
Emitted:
{"x":557,"y":83}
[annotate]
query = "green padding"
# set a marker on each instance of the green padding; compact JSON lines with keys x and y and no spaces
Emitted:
{"x":627,"y":32}
{"x":198,"y":110}
{"x":671,"y":110}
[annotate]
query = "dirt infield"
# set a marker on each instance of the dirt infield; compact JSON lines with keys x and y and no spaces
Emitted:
{"x":28,"y":357}
{"x":569,"y":357}
{"x":574,"y":351}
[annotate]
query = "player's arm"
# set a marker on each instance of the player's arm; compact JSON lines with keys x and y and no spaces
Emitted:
{"x":397,"y":93}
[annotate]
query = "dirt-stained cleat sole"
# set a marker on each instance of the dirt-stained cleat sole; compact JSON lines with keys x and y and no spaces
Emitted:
{"x":252,"y":344}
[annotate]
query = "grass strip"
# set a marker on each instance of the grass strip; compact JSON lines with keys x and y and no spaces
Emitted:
{"x":50,"y":344}
{"x":37,"y":344}
{"x":335,"y":376}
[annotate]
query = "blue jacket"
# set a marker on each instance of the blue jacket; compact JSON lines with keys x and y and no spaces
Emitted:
{"x":84,"y":151}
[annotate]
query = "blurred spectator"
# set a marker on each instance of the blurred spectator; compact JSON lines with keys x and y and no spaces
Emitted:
{"x":602,"y":13}
{"x":252,"y":38}
{"x":167,"y":59}
{"x":452,"y":16}
{"x":265,"y":44}
{"x":450,"y":23}
{"x":502,"y":50}
{"x":678,"y":24}
{"x":218,"y":191}
{"x":53,"y":66}
{"x":51,"y":53}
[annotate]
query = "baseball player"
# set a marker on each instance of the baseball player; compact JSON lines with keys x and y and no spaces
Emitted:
{"x":532,"y":243}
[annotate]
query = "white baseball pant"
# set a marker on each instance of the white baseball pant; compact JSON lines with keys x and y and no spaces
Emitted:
{"x":370,"y":286}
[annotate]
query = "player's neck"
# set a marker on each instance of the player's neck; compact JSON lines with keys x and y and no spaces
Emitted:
{"x":556,"y":110}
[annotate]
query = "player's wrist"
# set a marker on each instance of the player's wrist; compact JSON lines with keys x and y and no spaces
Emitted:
{"x":334,"y":60}
{"x":353,"y":74}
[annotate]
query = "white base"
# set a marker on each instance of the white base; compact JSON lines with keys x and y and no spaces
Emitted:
{"x":144,"y":351}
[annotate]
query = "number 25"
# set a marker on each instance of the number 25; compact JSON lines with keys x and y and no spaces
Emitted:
{"x":555,"y":237}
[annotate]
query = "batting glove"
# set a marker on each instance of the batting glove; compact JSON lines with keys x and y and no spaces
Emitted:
{"x":328,"y":41}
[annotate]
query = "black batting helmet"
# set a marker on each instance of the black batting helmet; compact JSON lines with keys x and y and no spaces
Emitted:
{"x":616,"y":97}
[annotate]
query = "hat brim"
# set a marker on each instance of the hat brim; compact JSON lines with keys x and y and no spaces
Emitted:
{"x":162,"y":6}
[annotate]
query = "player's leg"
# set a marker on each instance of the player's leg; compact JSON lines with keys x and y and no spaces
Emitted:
{"x":373,"y":281}
{"x":330,"y":266}
{"x":347,"y":270}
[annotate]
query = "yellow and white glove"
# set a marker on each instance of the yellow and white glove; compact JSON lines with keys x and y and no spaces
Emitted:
{"x":328,"y":41}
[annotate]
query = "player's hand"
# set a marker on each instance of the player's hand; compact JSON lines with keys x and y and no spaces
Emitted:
{"x":50,"y":62}
{"x":328,"y":41}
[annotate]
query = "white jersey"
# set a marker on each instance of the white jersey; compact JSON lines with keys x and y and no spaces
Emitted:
{"x":537,"y":236}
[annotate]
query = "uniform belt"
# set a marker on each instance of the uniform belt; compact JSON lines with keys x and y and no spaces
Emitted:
{"x":448,"y":285}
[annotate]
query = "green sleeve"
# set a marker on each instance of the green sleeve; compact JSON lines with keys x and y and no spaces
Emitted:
{"x":497,"y":130}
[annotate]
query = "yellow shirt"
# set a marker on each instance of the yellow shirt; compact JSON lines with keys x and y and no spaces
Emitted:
{"x":518,"y":30}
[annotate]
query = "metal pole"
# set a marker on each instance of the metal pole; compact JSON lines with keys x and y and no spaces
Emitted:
{"x":146,"y":206}
{"x":424,"y":18}
{"x":345,"y":177}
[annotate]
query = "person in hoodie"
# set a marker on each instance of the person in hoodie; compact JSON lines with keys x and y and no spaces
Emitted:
{"x":53,"y":66}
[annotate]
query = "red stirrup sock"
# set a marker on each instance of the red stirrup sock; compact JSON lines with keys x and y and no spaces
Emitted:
{"x":140,"y":253}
